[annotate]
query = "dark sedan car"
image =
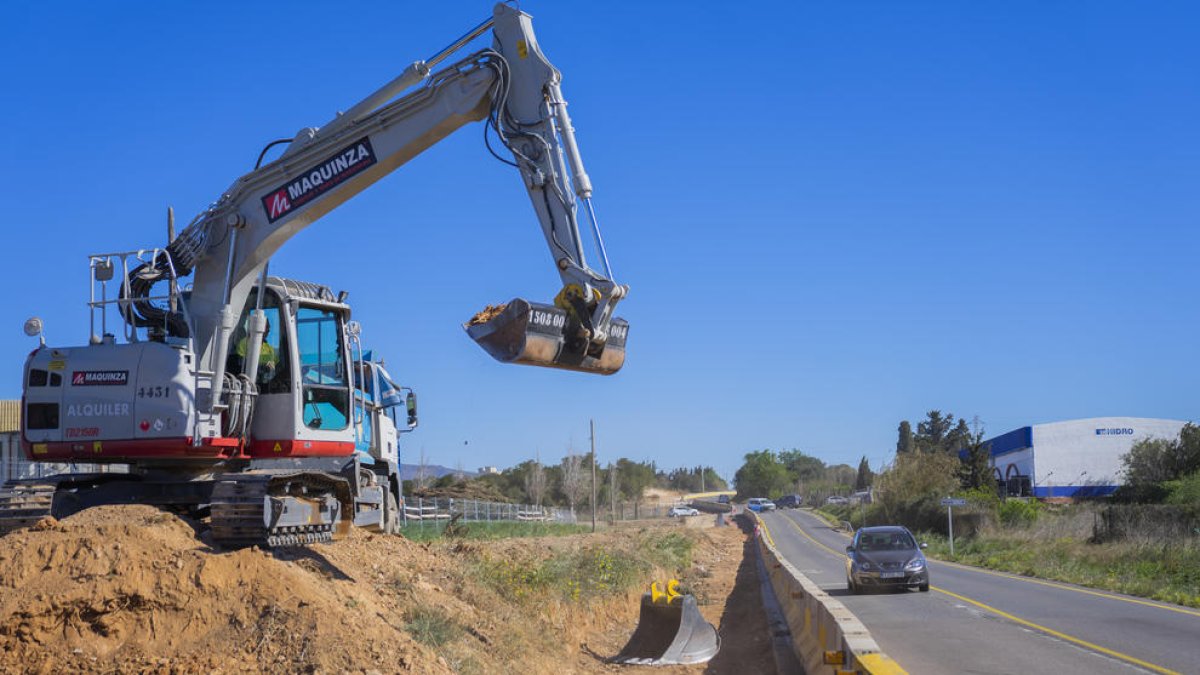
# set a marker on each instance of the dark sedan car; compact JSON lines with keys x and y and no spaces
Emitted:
{"x":789,"y":502}
{"x":885,"y":557}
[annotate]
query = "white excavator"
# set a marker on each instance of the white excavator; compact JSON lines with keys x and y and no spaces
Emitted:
{"x":249,"y":398}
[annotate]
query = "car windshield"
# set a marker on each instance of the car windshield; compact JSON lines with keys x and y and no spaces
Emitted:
{"x":886,"y":541}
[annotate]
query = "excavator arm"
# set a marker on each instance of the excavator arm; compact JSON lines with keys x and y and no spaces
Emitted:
{"x":517,"y":91}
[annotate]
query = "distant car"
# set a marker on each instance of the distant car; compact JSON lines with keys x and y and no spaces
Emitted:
{"x":760,"y":504}
{"x":789,"y":502}
{"x":885,"y":556}
{"x":835,"y":499}
{"x":723,"y":499}
{"x":681,"y":511}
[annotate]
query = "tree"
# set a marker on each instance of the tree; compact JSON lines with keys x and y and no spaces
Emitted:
{"x":635,"y":478}
{"x":1152,"y":461}
{"x":802,"y":468}
{"x":535,"y":483}
{"x":975,"y":470}
{"x":842,"y":475}
{"x":904,"y":444}
{"x":424,"y":473}
{"x":762,"y":475}
{"x":694,"y":479}
{"x":933,"y":431}
{"x":915,"y":478}
{"x":959,"y":437}
{"x":939,"y":433}
{"x":576,"y":483}
{"x":863,"y":480}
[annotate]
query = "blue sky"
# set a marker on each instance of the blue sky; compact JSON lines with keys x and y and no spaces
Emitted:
{"x":833,"y":216}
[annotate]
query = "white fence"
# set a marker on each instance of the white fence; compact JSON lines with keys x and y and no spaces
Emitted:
{"x":14,"y":469}
{"x":419,"y":510}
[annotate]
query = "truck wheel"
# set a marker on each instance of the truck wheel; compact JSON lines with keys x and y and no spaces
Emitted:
{"x":391,"y":515}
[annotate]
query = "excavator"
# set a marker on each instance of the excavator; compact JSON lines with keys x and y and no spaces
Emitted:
{"x":249,"y":398}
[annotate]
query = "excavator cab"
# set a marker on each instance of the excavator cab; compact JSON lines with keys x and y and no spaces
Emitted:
{"x":535,"y":334}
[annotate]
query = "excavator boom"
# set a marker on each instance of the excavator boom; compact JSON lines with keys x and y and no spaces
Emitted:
{"x":289,"y":436}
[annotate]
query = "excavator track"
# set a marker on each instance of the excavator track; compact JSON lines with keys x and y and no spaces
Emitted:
{"x":24,"y":504}
{"x":274,"y":510}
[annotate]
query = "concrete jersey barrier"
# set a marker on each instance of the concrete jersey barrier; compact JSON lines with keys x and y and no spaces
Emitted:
{"x":827,"y":637}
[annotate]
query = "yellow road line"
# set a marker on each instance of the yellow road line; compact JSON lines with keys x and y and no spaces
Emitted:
{"x":1024,"y":622}
{"x":879,"y":664}
{"x":799,"y":529}
{"x":766,"y":532}
{"x":1062,"y":636}
{"x":1052,"y":584}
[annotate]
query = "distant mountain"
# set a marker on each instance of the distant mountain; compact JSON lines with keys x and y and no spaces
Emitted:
{"x":409,"y":471}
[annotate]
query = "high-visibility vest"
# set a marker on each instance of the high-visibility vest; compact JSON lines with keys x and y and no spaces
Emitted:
{"x":266,"y":357}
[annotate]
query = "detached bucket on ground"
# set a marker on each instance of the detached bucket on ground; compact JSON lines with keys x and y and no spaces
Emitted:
{"x":670,"y":634}
{"x":534,"y":334}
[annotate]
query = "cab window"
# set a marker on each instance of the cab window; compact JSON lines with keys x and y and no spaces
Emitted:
{"x":273,"y":376}
{"x":326,"y":394}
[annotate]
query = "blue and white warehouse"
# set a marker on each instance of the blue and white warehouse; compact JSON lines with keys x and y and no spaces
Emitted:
{"x":1075,"y":458}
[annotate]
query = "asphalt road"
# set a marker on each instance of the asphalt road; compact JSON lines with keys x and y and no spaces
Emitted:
{"x":979,"y":621}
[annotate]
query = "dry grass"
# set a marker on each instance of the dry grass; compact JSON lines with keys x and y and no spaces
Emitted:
{"x":1059,"y":546}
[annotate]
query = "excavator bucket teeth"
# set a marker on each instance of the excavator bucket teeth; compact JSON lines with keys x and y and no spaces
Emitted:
{"x":537,"y":335}
{"x":668,"y":634}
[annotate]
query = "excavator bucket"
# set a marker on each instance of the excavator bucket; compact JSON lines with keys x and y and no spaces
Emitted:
{"x":537,"y":335}
{"x":668,"y":634}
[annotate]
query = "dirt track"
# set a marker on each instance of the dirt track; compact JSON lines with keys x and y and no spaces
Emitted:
{"x":150,"y":595}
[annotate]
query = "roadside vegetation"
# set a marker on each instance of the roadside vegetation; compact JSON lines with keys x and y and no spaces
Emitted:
{"x":766,"y":473}
{"x":1144,"y":541}
{"x":431,"y":530}
{"x":582,"y":574}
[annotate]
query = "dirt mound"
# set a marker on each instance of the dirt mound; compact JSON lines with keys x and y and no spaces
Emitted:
{"x":662,"y":495}
{"x":89,"y":593}
{"x":131,"y":589}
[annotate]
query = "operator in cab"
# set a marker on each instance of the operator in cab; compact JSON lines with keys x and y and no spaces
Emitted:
{"x":268,"y":359}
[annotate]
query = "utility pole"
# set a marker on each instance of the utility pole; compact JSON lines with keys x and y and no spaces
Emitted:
{"x":592,"y":427}
{"x":612,"y":491}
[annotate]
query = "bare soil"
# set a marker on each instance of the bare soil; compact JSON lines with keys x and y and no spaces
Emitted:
{"x":131,"y":589}
{"x":486,"y":314}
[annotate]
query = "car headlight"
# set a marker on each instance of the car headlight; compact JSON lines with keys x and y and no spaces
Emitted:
{"x":864,"y":566}
{"x":915,"y":564}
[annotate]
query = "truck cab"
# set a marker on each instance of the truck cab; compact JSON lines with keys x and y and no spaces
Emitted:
{"x":383,"y":411}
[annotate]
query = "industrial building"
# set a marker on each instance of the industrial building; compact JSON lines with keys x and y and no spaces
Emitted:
{"x":1074,"y":458}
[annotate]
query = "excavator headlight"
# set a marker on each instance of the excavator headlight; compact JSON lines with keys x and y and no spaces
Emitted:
{"x":33,"y":326}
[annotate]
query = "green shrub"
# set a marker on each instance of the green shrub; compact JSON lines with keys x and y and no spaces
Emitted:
{"x":1019,"y":513}
{"x":982,"y":497}
{"x":672,"y":551}
{"x":1184,"y":491}
{"x":431,"y":626}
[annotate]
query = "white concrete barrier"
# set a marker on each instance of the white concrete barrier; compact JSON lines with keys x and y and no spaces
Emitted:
{"x":827,"y":637}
